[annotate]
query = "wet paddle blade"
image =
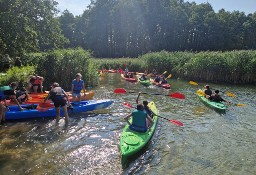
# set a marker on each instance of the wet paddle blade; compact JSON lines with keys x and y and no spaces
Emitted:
{"x":165,"y":72}
{"x":120,"y":91}
{"x":230,"y":94}
{"x":193,"y":83}
{"x":128,"y":105}
{"x":200,"y":92}
{"x":176,"y":122}
{"x":240,"y":105}
{"x":177,"y":95}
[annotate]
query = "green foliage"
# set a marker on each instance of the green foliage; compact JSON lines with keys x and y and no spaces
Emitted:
{"x":61,"y":65}
{"x":28,"y":26}
{"x":133,"y":64}
{"x":17,"y":74}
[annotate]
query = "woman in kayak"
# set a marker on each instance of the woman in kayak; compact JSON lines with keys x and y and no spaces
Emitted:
{"x":77,"y":86}
{"x":59,"y":98}
{"x":217,"y":98}
{"x":140,"y":119}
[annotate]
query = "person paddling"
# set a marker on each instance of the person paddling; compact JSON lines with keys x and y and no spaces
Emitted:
{"x":139,"y":119}
{"x":207,"y":92}
{"x":217,"y":98}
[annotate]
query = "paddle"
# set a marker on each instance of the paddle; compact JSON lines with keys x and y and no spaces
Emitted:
{"x":228,"y":93}
{"x":169,"y":76}
{"x":176,"y":122}
{"x":173,"y":95}
{"x":200,"y":92}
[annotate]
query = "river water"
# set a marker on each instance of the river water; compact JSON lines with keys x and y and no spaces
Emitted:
{"x":208,"y":143}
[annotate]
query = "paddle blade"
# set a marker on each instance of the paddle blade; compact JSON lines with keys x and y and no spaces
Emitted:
{"x":120,"y":91}
{"x":128,"y":105}
{"x":193,"y":83}
{"x":230,"y":94}
{"x":177,"y":95}
{"x":165,"y":72}
{"x":169,"y":76}
{"x":200,"y":92}
{"x":176,"y":122}
{"x":240,"y":105}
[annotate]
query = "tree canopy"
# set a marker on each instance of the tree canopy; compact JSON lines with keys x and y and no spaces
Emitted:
{"x":124,"y":28}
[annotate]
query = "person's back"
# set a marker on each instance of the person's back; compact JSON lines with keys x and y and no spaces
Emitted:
{"x":216,"y":97}
{"x":139,"y":118}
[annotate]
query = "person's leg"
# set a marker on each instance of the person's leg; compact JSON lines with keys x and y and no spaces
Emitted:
{"x":65,"y":110}
{"x":79,"y":97}
{"x":57,"y":114}
{"x":2,"y":112}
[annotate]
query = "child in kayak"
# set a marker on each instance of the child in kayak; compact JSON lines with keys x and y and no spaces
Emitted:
{"x":217,"y":98}
{"x":143,"y":77}
{"x":59,"y":98}
{"x":139,"y":119}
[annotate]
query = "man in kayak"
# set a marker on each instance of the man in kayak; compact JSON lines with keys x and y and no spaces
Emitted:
{"x":59,"y":98}
{"x":217,"y":98}
{"x":77,"y":86}
{"x":140,"y":119}
{"x":207,"y":92}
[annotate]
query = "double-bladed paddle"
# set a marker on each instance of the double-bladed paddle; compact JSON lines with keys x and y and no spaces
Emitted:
{"x":228,"y":93}
{"x":173,"y":95}
{"x":200,"y":92}
{"x":176,"y":122}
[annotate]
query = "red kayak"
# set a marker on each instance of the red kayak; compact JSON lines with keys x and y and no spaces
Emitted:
{"x":165,"y":86}
{"x":129,"y":79}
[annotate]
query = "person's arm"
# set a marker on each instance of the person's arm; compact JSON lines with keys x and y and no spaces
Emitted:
{"x":66,"y":95}
{"x":16,"y":102}
{"x":127,"y":118}
{"x":150,"y":119}
{"x":84,"y":89}
{"x":137,"y":100}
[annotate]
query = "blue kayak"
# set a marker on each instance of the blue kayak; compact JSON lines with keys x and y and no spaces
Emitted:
{"x":30,"y":111}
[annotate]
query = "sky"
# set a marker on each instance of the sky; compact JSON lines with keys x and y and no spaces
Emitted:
{"x":76,"y":7}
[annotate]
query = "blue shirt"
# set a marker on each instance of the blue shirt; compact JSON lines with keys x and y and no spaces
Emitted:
{"x":78,"y":85}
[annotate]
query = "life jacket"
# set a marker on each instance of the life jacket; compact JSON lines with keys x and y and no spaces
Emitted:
{"x":139,"y":121}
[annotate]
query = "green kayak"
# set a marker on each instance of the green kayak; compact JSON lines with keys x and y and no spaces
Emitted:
{"x":131,"y":142}
{"x":215,"y":105}
{"x":145,"y":82}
